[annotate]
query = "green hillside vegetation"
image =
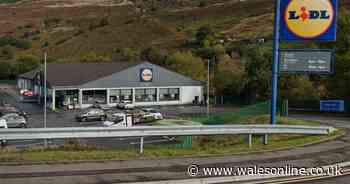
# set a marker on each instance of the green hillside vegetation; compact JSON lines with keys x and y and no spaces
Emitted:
{"x":8,"y":1}
{"x":181,"y":36}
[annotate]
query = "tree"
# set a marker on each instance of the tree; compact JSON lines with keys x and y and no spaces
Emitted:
{"x":297,"y":88}
{"x":257,"y":62}
{"x":337,"y":83}
{"x":94,"y":58}
{"x":187,"y":64}
{"x":25,"y":63}
{"x":126,"y":54}
{"x":229,"y":76}
{"x":7,"y":53}
{"x":205,"y":36}
{"x":6,"y":70}
{"x":153,"y":55}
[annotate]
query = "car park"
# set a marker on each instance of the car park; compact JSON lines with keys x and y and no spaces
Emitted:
{"x":91,"y":115}
{"x":3,"y":124}
{"x":14,"y":120}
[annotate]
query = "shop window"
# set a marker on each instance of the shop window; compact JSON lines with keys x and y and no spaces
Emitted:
{"x":146,"y":95}
{"x":169,"y":94}
{"x":119,"y":95}
{"x":94,"y":96}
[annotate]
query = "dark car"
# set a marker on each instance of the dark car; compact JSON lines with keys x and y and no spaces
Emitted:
{"x":92,"y":115}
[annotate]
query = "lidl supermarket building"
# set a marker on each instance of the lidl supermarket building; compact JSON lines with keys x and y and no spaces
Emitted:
{"x":82,"y":85}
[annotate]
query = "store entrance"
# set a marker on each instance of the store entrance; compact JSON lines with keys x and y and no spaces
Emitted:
{"x":67,"y":99}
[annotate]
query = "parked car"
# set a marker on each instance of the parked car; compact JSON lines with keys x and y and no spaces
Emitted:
{"x":126,"y":104}
{"x":28,"y":93}
{"x":91,"y":115}
{"x":4,"y":111}
{"x":150,"y":112}
{"x":102,"y":106}
{"x":7,"y":108}
{"x":116,"y":120}
{"x":14,"y":120}
{"x":3,"y":124}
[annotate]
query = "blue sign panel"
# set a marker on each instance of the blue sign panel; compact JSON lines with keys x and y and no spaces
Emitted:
{"x":308,"y":20}
{"x":332,"y":105}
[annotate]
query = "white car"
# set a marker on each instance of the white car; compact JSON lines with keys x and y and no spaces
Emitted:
{"x":3,"y":124}
{"x":150,"y":112}
{"x":126,"y":105}
{"x":115,"y":120}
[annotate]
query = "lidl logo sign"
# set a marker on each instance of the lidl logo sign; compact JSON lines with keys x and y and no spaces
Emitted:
{"x":146,"y":75}
{"x":308,"y":19}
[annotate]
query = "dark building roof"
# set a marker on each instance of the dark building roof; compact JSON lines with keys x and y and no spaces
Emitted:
{"x":29,"y":75}
{"x":75,"y":74}
{"x":104,"y":75}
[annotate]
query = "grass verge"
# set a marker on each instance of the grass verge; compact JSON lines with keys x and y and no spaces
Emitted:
{"x":202,"y":146}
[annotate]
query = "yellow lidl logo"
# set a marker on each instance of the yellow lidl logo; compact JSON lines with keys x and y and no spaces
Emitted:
{"x":309,"y":18}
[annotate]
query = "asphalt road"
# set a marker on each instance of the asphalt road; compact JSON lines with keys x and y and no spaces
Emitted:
{"x":335,"y":180}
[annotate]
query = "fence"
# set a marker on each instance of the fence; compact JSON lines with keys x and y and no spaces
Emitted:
{"x":104,"y":132}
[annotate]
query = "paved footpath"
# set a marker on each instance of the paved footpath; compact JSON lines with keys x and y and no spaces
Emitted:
{"x":175,"y":168}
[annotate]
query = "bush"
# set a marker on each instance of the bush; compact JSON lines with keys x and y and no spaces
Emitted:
{"x":26,"y":63}
{"x":203,"y":3}
{"x":7,"y":53}
{"x":6,"y":70}
{"x":18,"y":43}
{"x":23,"y":44}
{"x":53,"y":21}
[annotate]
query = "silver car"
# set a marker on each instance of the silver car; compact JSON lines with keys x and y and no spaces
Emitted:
{"x":14,"y":120}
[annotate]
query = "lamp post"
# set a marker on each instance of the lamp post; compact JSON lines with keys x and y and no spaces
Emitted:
{"x":45,"y":94}
{"x":208,"y":91}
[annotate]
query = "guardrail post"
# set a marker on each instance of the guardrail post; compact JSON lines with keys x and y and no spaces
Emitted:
{"x":265,"y":139}
{"x":141,"y":145}
{"x":250,"y":137}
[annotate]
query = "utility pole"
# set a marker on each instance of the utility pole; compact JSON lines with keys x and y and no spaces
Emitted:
{"x":208,"y":91}
{"x":45,"y":94}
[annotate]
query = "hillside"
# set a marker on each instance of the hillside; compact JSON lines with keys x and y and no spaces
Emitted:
{"x":75,"y":28}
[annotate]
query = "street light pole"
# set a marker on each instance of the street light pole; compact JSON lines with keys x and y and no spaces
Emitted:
{"x":45,"y":94}
{"x":208,"y":91}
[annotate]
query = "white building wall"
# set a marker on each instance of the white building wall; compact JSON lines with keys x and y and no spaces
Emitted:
{"x":20,"y":83}
{"x":188,"y":94}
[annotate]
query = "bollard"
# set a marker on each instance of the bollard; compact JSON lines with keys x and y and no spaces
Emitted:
{"x":141,"y":145}
{"x":265,"y":139}
{"x":250,"y":137}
